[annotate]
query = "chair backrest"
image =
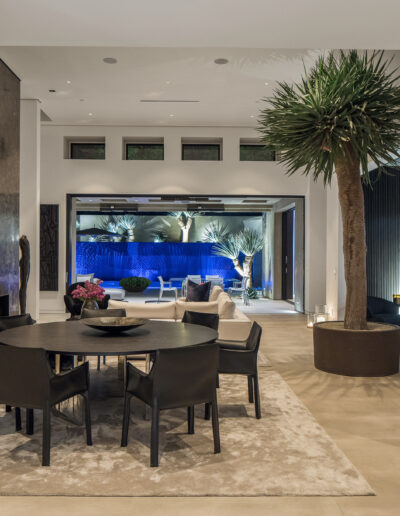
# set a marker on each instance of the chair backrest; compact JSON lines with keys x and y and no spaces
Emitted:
{"x":196,"y":278}
{"x":378,"y":305}
{"x":160,"y":279}
{"x":209,"y":320}
{"x":253,"y":340}
{"x":24,"y":376}
{"x":112,"y":312}
{"x":73,"y":286}
{"x":213,"y":276}
{"x":14,"y":321}
{"x":185,"y":377}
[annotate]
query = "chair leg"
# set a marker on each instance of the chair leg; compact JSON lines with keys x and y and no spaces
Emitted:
{"x":125,"y":421}
{"x":88,"y":420}
{"x":217,"y":381}
{"x":8,"y":408}
{"x":155,"y":422}
{"x":18,"y":424}
{"x":98,"y":362}
{"x":207,"y":411}
{"x":160,"y":293}
{"x":104,"y":360}
{"x":29,"y":421}
{"x":257,"y":396}
{"x":250,"y":388}
{"x":215,"y":424}
{"x":46,"y":435}
{"x":190,"y":412}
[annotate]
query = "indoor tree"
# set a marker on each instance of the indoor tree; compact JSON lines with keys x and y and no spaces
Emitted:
{"x":250,"y":242}
{"x":344,"y":112}
{"x":215,"y":232}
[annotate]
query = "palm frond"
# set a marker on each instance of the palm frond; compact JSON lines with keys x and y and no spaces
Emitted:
{"x":215,"y":232}
{"x":229,"y":248}
{"x":348,"y":100}
{"x":250,"y":242}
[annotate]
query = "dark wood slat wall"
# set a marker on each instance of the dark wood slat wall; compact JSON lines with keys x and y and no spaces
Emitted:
{"x":382,"y":219}
{"x":49,"y":246}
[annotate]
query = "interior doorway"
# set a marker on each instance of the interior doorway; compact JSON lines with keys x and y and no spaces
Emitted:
{"x":288,"y":254}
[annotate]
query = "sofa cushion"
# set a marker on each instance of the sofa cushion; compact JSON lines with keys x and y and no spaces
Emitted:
{"x":236,"y":329}
{"x":146,"y":310}
{"x":205,"y":308}
{"x":215,"y":292}
{"x":226,"y":307}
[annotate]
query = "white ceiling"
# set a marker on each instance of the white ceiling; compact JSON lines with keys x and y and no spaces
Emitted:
{"x":202,"y":23}
{"x":228,"y":94}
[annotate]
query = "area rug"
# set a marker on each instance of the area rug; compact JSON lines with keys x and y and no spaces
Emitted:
{"x":286,"y":453}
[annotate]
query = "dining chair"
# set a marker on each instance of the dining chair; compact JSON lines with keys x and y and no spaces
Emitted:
{"x":239,"y":359}
{"x":14,"y":321}
{"x":242,"y":289}
{"x":215,"y":280}
{"x":179,"y":378}
{"x":74,"y":306}
{"x":27,"y":380}
{"x":196,"y":278}
{"x":166,"y":286}
{"x":111,"y":312}
{"x":208,"y":320}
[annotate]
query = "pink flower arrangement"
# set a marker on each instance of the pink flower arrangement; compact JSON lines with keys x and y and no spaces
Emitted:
{"x":89,"y":291}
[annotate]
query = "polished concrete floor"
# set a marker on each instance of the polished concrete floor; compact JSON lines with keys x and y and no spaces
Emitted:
{"x":361,"y":415}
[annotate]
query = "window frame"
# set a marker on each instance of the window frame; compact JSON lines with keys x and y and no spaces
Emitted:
{"x":79,"y":143}
{"x":147,"y":144}
{"x":256,"y":145}
{"x":212,"y":144}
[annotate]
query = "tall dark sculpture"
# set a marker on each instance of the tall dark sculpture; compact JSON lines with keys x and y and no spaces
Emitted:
{"x":24,"y":270}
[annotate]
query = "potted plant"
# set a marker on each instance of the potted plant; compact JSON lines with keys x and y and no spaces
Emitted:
{"x":134,"y":284}
{"x":89,"y":294}
{"x":344,"y":112}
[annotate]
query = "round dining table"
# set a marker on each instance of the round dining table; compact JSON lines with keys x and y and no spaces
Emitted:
{"x":76,"y":338}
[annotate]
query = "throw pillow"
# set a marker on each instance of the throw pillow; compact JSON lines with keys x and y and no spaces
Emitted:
{"x":197,"y":292}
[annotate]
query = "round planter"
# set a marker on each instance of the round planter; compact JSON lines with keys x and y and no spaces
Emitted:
{"x":372,"y":352}
{"x":135,"y":289}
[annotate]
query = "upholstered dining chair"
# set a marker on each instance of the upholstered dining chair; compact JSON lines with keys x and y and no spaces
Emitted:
{"x":237,"y":359}
{"x":166,"y":286}
{"x":112,"y":312}
{"x":74,"y":306}
{"x":14,"y":321}
{"x":179,"y":378}
{"x":209,"y":320}
{"x":27,"y":380}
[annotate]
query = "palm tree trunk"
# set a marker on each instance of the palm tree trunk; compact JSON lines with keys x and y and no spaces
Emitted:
{"x":248,"y":269}
{"x":238,"y":267}
{"x":351,"y":198}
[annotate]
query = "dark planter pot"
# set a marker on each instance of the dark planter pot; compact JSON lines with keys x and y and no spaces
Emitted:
{"x":135,"y":289}
{"x":356,"y":353}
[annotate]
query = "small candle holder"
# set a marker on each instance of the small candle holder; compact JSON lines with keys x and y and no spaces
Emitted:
{"x":396,"y":299}
{"x":310,"y":319}
{"x":321,"y":317}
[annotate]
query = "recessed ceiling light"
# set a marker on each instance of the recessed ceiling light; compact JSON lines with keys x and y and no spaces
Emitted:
{"x":266,"y":84}
{"x":90,"y":114}
{"x":110,"y":60}
{"x":52,"y":91}
{"x":252,"y":116}
{"x":221,"y":61}
{"x":171,"y":116}
{"x":68,"y":82}
{"x":167,"y":82}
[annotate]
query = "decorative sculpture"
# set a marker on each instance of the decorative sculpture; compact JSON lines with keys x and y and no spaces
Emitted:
{"x":24,"y":270}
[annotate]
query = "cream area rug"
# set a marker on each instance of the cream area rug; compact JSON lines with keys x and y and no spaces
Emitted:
{"x":285,"y":453}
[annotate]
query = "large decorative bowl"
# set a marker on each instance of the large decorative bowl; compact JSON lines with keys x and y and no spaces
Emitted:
{"x":113,"y":324}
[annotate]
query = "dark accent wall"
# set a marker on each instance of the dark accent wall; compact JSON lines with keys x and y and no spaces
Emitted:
{"x":49,"y":247}
{"x":382,"y":220}
{"x":9,"y":185}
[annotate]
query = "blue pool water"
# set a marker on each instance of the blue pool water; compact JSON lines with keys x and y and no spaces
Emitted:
{"x":112,"y":261}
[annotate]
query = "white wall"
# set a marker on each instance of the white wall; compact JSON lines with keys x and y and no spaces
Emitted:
{"x":114,"y":175}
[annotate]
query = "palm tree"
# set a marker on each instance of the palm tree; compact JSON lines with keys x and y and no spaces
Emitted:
{"x":345,"y":110}
{"x":128,"y":223}
{"x":215,"y":232}
{"x":250,"y":242}
{"x":185,"y":220}
{"x":229,"y":248}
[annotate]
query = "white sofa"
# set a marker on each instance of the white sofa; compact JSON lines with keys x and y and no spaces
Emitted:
{"x":233,"y":324}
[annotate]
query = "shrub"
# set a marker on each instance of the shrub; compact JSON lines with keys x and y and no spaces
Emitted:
{"x":134,"y":284}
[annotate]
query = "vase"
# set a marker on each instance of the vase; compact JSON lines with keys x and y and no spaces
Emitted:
{"x":90,"y":304}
